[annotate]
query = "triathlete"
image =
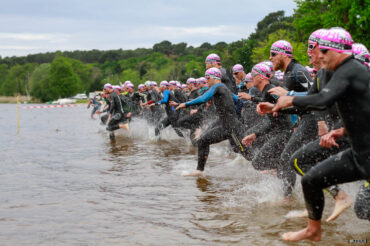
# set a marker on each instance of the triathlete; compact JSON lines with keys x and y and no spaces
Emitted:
{"x":172,"y":114}
{"x":228,"y":126}
{"x":349,"y":89}
{"x":118,"y":116}
{"x":274,"y":133}
{"x":96,"y":106}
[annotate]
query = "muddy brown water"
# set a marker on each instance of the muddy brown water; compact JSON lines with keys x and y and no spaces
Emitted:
{"x":63,"y":182}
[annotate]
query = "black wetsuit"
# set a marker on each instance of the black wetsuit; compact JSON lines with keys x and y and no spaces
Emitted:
{"x":362,"y":203}
{"x":274,"y":135}
{"x":136,"y":98}
{"x":228,"y":80}
{"x":195,"y":120}
{"x":156,"y":111}
{"x":118,"y":110}
{"x":172,"y":114}
{"x":296,"y":77}
{"x":104,"y":117}
{"x":180,"y":95}
{"x":228,"y":126}
{"x":312,"y":153}
{"x":349,"y":89}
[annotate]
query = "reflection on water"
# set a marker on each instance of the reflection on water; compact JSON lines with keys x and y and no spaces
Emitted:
{"x":62,"y":181}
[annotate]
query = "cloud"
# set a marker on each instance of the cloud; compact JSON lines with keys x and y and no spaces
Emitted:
{"x":35,"y":36}
{"x":126,"y":24}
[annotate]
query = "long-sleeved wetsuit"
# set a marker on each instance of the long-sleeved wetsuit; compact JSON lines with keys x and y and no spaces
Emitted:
{"x":229,"y":126}
{"x":279,"y":131}
{"x":172,"y":114}
{"x":118,"y":111}
{"x":349,"y":89}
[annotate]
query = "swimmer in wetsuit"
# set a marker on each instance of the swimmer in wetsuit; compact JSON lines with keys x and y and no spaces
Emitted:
{"x":228,"y":126}
{"x":349,"y":89}
{"x":275,"y":133}
{"x":312,"y":153}
{"x":118,"y":113}
{"x":172,"y":114}
{"x":96,"y":106}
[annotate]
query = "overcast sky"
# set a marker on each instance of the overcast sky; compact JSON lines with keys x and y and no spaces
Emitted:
{"x":33,"y":26}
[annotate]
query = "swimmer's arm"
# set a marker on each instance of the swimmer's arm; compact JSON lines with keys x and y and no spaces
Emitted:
{"x":166,"y":96}
{"x":202,"y":99}
{"x":260,"y":128}
{"x":333,"y":91}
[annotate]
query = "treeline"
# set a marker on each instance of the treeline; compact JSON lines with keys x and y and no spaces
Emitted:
{"x":52,"y":75}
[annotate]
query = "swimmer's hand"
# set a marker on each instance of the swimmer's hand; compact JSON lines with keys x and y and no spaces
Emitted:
{"x":247,"y":140}
{"x":265,"y":108}
{"x":283,"y":102}
{"x":128,"y":115}
{"x":278,"y":91}
{"x":243,"y":95}
{"x":182,"y":105}
{"x":193,"y":111}
{"x":329,"y":140}
{"x":172,"y":103}
{"x":322,"y":128}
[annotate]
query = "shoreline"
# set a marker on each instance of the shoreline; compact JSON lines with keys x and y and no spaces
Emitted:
{"x":30,"y":100}
{"x":13,"y":100}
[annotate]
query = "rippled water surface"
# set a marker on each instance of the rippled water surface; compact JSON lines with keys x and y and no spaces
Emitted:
{"x":63,"y":182}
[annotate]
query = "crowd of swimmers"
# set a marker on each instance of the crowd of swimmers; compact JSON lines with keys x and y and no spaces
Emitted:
{"x":284,"y":118}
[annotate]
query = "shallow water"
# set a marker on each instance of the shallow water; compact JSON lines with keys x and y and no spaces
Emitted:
{"x":62,"y":182}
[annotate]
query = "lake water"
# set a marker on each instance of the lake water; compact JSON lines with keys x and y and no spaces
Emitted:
{"x":63,"y":182}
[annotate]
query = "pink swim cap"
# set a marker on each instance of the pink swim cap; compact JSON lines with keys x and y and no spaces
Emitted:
{"x":360,"y":52}
{"x":213,"y":73}
{"x":202,"y":80}
{"x":282,"y":47}
{"x":141,"y":86}
{"x":316,"y":36}
{"x":238,"y":68}
{"x":336,"y":39}
{"x":108,"y":86}
{"x":154,"y":83}
{"x":191,"y":81}
{"x":117,"y":87}
{"x":262,"y":69}
{"x":248,"y":77}
{"x":213,"y":58}
{"x":130,"y":85}
{"x":172,"y":82}
{"x":164,"y":83}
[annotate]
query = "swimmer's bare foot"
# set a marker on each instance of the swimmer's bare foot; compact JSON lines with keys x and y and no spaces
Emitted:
{"x":126,"y":127}
{"x":311,"y":232}
{"x":196,"y":173}
{"x":284,"y":202}
{"x":197,"y":133}
{"x":342,"y":202}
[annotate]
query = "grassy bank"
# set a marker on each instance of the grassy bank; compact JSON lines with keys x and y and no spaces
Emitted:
{"x":22,"y":99}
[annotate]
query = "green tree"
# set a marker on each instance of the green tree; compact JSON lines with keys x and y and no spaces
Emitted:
{"x":17,"y":80}
{"x":352,"y":15}
{"x":40,"y":83}
{"x":64,"y":82}
{"x":3,"y":72}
